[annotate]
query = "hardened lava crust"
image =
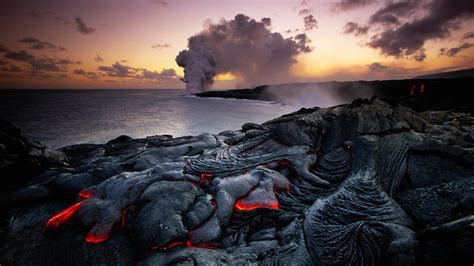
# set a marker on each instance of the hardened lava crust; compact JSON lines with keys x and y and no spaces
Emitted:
{"x":368,"y":183}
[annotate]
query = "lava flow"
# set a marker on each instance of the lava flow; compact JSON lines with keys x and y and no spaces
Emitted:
{"x":63,"y":216}
{"x":241,"y":206}
{"x":92,"y":238}
{"x":85,"y":194}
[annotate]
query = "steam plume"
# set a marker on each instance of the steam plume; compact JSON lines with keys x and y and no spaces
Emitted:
{"x":241,"y":46}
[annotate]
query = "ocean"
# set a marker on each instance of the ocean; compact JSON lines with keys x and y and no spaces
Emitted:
{"x":64,"y":117}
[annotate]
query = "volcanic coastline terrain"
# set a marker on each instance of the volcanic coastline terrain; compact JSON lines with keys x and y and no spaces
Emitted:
{"x":382,"y":180}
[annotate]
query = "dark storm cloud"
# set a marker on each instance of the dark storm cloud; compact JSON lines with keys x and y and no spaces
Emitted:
{"x":455,"y":50}
{"x":160,"y":45}
{"x":355,"y":28}
{"x":82,"y":27}
{"x":242,"y":46}
{"x":346,"y":5}
{"x":442,"y":17}
{"x":391,"y":13}
{"x":98,"y":59}
{"x":468,"y":35}
{"x":43,"y":63}
{"x":40,"y":45}
{"x":310,"y":22}
{"x":87,"y":74}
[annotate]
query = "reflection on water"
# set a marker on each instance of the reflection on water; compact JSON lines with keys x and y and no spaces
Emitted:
{"x":65,"y":117}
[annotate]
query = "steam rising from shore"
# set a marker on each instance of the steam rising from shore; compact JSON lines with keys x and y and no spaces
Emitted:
{"x":241,"y":46}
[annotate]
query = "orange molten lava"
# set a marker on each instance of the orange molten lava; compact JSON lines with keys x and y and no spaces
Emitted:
{"x":60,"y":218}
{"x":94,"y":239}
{"x":85,"y":194}
{"x":189,"y":244}
{"x":239,"y":205}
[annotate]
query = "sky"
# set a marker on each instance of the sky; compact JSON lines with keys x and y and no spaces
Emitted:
{"x":88,"y":44}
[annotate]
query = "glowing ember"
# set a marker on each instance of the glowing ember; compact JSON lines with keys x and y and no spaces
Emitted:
{"x":241,"y":206}
{"x":85,"y":194}
{"x":169,"y":246}
{"x":189,"y":244}
{"x":63,"y":216}
{"x":205,"y":177}
{"x":124,"y":217}
{"x":94,"y":239}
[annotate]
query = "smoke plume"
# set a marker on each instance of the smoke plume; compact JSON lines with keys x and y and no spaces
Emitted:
{"x":241,"y":46}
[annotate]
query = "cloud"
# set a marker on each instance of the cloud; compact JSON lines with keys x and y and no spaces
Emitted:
{"x":62,"y":20}
{"x":118,"y":70}
{"x":310,"y":22}
{"x":153,"y":75}
{"x":407,"y":40}
{"x":160,"y":46}
{"x":82,"y":27}
{"x":391,"y":13}
{"x":305,"y":12}
{"x":98,"y":59}
{"x":40,"y":45}
{"x":346,"y":5}
{"x":87,"y":74}
{"x":122,"y":71}
{"x":468,"y":35}
{"x":3,"y":49}
{"x":452,"y":52}
{"x":160,"y":2}
{"x":302,"y":41}
{"x":10,"y":69}
{"x":355,"y":28}
{"x":392,"y":71}
{"x":264,"y":56}
{"x":43,"y":63}
{"x":377,"y":67}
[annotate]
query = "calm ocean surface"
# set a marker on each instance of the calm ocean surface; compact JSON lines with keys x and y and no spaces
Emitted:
{"x":63,"y":117}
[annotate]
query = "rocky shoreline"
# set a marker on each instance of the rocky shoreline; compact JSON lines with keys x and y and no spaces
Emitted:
{"x":368,"y":183}
{"x":437,"y":94}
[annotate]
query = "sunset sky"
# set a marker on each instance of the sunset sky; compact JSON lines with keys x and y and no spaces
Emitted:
{"x":133,"y":44}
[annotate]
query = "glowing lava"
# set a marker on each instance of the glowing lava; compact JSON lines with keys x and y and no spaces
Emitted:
{"x":94,"y":239}
{"x":85,"y":194}
{"x":241,"y":206}
{"x":63,"y":216}
{"x":205,"y":177}
{"x":189,"y":244}
{"x":123,"y":220}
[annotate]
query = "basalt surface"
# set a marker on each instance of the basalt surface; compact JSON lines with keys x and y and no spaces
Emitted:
{"x":368,"y":183}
